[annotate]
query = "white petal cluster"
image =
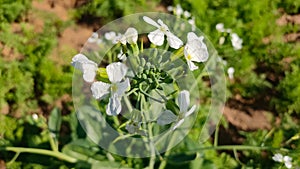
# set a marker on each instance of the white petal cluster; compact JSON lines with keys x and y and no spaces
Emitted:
{"x":130,"y":36}
{"x":116,"y":73}
{"x":180,"y":12}
{"x":94,"y":39}
{"x":195,"y":50}
{"x":157,"y":37}
{"x":168,"y":117}
{"x":236,"y":41}
{"x":86,"y":66}
{"x":287,"y":160}
{"x":230,"y":72}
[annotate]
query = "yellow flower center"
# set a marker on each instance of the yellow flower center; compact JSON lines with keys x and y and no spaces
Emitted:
{"x":189,"y":57}
{"x":114,"y":88}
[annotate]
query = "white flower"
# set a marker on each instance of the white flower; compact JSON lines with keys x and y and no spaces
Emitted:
{"x":110,"y":35}
{"x":221,"y":40}
{"x":35,"y":116}
{"x":86,"y":66}
{"x":170,"y":8}
{"x":195,"y":50}
{"x":94,"y":38}
{"x":116,"y":73}
{"x":122,"y":56}
{"x":178,"y":10}
{"x":168,"y":117}
{"x":230,"y":72}
{"x":283,"y":159}
{"x":157,"y":36}
{"x":236,"y":41}
{"x":131,"y":36}
{"x":186,"y":14}
{"x":220,"y":27}
{"x":192,"y":22}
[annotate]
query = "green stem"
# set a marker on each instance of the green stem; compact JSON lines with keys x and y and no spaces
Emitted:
{"x":58,"y":155}
{"x":164,"y":162}
{"x":53,"y":142}
{"x":238,"y":147}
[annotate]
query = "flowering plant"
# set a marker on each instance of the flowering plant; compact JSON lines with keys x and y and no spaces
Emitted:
{"x":146,"y":82}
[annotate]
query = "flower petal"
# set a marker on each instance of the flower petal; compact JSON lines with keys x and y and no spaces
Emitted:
{"x":78,"y":60}
{"x":183,"y":101}
{"x":166,"y":117}
{"x":156,"y":37}
{"x":278,"y":157}
{"x":116,"y":71}
{"x":178,"y":124}
{"x":150,"y":21}
{"x":191,"y":65}
{"x":114,"y":106}
{"x":131,"y":35}
{"x":191,"y":111}
{"x":100,"y":89}
{"x":123,"y":87}
{"x":89,"y":71}
{"x":196,"y":48}
{"x":110,"y":35}
{"x":173,"y":40}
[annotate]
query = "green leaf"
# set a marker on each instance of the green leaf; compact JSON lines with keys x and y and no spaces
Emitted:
{"x":54,"y":122}
{"x":182,"y":158}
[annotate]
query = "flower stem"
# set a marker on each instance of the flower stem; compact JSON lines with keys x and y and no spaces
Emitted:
{"x":58,"y":155}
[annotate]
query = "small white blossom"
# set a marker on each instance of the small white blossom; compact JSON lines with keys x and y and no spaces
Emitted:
{"x":170,"y":8}
{"x":168,"y":117}
{"x":230,"y":72}
{"x":221,"y":40}
{"x":195,"y":50}
{"x":131,"y":36}
{"x":236,"y":41}
{"x":178,"y":10}
{"x":220,"y":27}
{"x":283,"y":159}
{"x":86,"y":66}
{"x":186,"y":14}
{"x":94,"y":38}
{"x":192,"y":22}
{"x":157,"y":36}
{"x":110,"y":35}
{"x":35,"y":116}
{"x":116,"y":73}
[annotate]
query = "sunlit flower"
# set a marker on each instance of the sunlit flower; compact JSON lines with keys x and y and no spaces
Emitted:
{"x":168,"y":117}
{"x":236,"y":41}
{"x":157,"y":36}
{"x":178,"y":10}
{"x":195,"y":50}
{"x":35,"y":116}
{"x":86,"y":66}
{"x":221,"y":40}
{"x":220,"y":27}
{"x":94,"y":38}
{"x":230,"y":72}
{"x":110,"y":35}
{"x":186,"y":14}
{"x":130,"y":36}
{"x":170,"y":8}
{"x":287,"y":160}
{"x":116,"y":73}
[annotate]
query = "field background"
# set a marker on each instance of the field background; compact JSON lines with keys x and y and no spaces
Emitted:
{"x":38,"y":39}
